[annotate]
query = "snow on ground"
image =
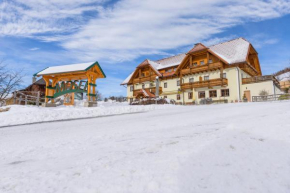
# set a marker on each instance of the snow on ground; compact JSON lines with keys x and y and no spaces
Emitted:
{"x":19,"y":114}
{"x":206,"y":149}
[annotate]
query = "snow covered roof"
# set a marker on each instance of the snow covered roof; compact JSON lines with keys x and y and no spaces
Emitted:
{"x":170,"y":61}
{"x":68,"y":68}
{"x":284,"y":77}
{"x":146,"y":93}
{"x":159,"y":64}
{"x":234,"y":51}
{"x":127,"y":79}
{"x":153,"y":64}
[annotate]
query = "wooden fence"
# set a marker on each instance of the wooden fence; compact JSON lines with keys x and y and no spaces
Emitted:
{"x":27,"y":98}
{"x":276,"y":97}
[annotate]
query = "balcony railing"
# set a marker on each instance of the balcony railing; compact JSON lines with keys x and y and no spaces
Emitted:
{"x":144,"y":79}
{"x":202,"y":68}
{"x":206,"y":83}
{"x":152,"y":90}
{"x":257,"y":79}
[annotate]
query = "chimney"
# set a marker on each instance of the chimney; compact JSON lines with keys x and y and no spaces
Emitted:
{"x":33,"y":79}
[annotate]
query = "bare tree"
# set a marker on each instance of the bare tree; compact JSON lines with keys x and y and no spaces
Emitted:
{"x":9,"y":81}
{"x":99,"y":95}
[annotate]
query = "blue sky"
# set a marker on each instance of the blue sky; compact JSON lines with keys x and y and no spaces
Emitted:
{"x":120,"y":34}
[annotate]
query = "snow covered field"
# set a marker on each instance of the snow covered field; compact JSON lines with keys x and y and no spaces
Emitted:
{"x":217,"y":148}
{"x":32,"y":114}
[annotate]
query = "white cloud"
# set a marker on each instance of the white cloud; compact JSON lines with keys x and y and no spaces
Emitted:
{"x":31,"y":17}
{"x":260,"y":40}
{"x":132,"y":28}
{"x":129,"y":28}
{"x":34,"y":49}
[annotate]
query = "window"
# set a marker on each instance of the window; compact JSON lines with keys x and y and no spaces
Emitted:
{"x":175,"y":69}
{"x":201,"y":94}
{"x":178,"y":97}
{"x":210,"y":61}
{"x":224,"y":75}
{"x":165,"y":97}
{"x":212,"y":93}
{"x":178,"y":83}
{"x":201,"y":62}
{"x":191,"y":79}
{"x":169,"y":70}
{"x":142,"y":74}
{"x":195,"y":64}
{"x":225,"y":92}
{"x":151,"y":84}
{"x":190,"y":95}
{"x":143,"y":86}
{"x":206,"y":78}
{"x":165,"y":84}
{"x":131,"y":88}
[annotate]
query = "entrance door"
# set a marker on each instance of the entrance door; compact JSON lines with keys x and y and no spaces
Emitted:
{"x":248,"y":95}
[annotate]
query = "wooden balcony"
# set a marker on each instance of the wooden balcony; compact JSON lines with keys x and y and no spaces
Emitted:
{"x":152,"y":90}
{"x":257,"y":79}
{"x":144,"y":79}
{"x":202,"y":68}
{"x":206,"y":83}
{"x":248,"y":68}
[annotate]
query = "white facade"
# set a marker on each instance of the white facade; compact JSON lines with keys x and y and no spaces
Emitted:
{"x":233,"y":75}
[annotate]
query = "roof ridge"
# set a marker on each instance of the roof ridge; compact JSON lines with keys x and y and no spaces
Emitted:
{"x":229,"y":41}
{"x":169,"y":57}
{"x":283,"y":71}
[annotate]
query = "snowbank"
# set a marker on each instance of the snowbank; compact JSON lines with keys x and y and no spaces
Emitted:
{"x":31,"y":114}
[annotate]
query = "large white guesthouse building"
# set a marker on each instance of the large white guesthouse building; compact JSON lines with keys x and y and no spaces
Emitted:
{"x":228,"y":71}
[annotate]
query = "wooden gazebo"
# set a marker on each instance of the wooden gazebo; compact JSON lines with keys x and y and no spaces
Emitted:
{"x":70,"y":79}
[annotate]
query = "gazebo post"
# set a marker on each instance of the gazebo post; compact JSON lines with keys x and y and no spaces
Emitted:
{"x":46,"y":90}
{"x":94,"y":88}
{"x":47,"y":93}
{"x":91,"y":91}
{"x":54,"y":81}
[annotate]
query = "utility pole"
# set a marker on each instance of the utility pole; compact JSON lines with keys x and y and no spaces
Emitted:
{"x":157,"y":89}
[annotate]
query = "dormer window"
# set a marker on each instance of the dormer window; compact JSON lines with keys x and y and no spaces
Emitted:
{"x":201,"y":62}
